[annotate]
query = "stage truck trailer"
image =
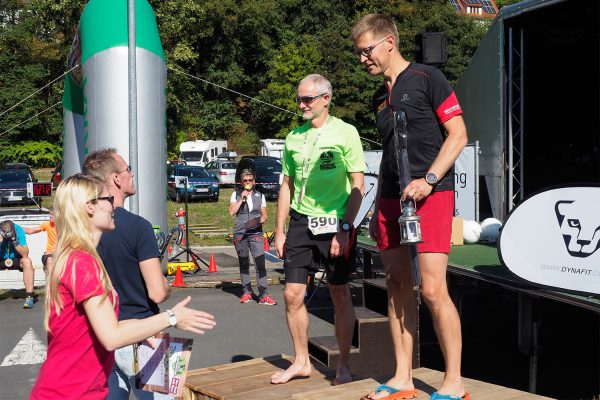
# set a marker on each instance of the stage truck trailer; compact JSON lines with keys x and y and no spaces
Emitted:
{"x":201,"y":152}
{"x":530,"y":96}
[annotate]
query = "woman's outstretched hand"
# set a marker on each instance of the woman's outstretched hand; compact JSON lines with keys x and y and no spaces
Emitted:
{"x":192,"y":320}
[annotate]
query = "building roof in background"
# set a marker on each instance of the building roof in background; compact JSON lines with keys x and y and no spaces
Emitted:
{"x":480,"y":8}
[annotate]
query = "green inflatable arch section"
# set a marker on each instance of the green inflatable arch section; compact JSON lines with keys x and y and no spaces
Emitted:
{"x":104,"y":25}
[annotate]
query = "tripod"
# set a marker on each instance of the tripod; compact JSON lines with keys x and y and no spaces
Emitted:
{"x":186,"y":249}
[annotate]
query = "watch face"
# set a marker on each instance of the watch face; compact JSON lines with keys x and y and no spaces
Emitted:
{"x":172,"y":320}
{"x":431,"y":178}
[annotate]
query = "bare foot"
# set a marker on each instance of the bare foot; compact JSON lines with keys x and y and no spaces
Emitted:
{"x":454,"y":387}
{"x":342,"y":375}
{"x":294,"y":370}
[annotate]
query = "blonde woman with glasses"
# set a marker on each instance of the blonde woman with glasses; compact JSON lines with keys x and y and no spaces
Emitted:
{"x":81,"y":304}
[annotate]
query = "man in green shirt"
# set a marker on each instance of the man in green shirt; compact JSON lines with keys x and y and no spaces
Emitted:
{"x":323,"y":165}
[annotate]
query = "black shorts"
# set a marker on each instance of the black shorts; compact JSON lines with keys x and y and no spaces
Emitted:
{"x":45,"y":259}
{"x":305,"y":251}
{"x":16,"y":263}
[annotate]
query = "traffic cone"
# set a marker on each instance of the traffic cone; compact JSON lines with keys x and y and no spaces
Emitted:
{"x":178,"y":278}
{"x":212,"y":266}
{"x":266,"y":244}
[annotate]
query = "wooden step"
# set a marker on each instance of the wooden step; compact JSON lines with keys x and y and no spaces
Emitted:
{"x":250,"y":380}
{"x":323,"y":348}
{"x":368,"y":322}
{"x":349,"y":391}
{"x":375,"y":295}
{"x":371,"y":346}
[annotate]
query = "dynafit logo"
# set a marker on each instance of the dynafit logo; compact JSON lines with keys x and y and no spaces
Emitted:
{"x":580,"y":226}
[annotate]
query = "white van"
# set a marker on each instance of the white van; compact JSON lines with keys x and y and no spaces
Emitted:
{"x":200,"y":152}
{"x":272,"y":147}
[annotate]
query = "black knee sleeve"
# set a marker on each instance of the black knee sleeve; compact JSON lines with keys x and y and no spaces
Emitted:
{"x":245,"y":264}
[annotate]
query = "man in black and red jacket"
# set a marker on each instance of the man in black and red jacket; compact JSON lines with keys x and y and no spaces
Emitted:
{"x":436,"y":136}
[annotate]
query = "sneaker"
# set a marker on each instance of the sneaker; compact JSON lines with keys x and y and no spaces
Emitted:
{"x":246,"y":298}
{"x":267,"y":300}
{"x":28,"y":302}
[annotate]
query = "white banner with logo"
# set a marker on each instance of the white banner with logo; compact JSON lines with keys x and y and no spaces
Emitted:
{"x":465,"y":184}
{"x":553,"y":239}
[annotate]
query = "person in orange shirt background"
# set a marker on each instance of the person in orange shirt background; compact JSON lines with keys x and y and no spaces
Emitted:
{"x":50,"y":230}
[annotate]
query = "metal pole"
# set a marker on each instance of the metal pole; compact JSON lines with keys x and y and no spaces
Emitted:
{"x":187,"y":235}
{"x":522,"y":117}
{"x":133,"y":143}
{"x":509,"y":146}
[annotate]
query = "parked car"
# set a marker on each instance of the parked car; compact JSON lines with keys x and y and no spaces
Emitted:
{"x":224,"y":170}
{"x":13,"y":186}
{"x":201,"y":185}
{"x":18,"y":165}
{"x":267,"y":173}
{"x":56,"y":175}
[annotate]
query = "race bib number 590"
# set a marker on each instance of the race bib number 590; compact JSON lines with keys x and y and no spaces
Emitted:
{"x":321,"y":225}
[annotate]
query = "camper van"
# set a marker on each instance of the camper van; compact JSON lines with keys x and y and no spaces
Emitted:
{"x":272,"y":147}
{"x":200,"y":152}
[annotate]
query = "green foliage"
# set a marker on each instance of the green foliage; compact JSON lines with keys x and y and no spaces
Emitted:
{"x":257,"y":48}
{"x":35,"y":154}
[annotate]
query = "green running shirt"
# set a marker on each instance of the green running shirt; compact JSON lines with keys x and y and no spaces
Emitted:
{"x":337,"y":153}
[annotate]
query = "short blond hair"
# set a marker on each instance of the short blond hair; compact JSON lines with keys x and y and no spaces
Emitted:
{"x":378,"y":24}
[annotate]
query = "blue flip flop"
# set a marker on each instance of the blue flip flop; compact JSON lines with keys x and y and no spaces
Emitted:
{"x":395,"y":394}
{"x":438,"y":396}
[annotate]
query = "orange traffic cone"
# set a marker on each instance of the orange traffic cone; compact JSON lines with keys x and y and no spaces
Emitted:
{"x":266,"y":244}
{"x":212,"y":266}
{"x":178,"y":278}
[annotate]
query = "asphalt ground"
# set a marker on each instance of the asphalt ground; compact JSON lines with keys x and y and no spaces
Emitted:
{"x":227,"y":266}
{"x":243,"y":331}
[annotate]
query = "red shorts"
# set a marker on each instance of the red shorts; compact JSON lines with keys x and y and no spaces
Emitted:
{"x":436,"y":212}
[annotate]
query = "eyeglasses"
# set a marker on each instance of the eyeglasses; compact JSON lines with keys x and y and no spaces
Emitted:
{"x":247,"y":180}
{"x":110,"y":199}
{"x":367,"y":51}
{"x":308,"y":99}
{"x":126,"y":169}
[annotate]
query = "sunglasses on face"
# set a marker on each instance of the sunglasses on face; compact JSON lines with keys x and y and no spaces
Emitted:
{"x":248,"y":180}
{"x":110,"y":199}
{"x":367,"y":51}
{"x":308,"y":99}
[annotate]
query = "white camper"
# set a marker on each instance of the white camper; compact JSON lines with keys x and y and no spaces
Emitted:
{"x":272,"y":147}
{"x":200,"y":152}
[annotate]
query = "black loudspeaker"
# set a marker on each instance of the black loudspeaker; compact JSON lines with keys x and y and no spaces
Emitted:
{"x":430,"y":48}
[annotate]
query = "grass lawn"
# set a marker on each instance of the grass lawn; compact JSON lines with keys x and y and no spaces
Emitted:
{"x":200,"y":212}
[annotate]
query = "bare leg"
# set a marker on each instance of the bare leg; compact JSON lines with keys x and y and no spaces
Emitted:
{"x":297,"y":319}
{"x":402,"y":316}
{"x":445,"y":318}
{"x":28,"y":274}
{"x":344,"y":329}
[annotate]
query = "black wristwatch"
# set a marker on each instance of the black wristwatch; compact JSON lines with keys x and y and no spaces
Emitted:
{"x":431,"y":178}
{"x":346,"y":226}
